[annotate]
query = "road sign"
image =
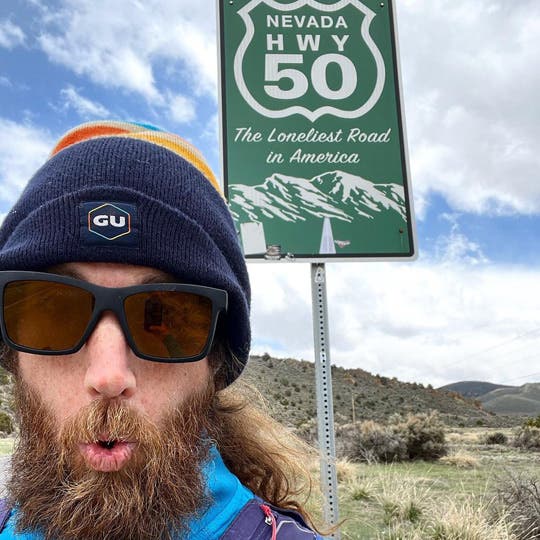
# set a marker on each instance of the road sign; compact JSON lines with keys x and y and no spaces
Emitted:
{"x":314,"y":150}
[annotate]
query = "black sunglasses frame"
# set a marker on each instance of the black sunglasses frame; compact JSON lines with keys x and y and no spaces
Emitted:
{"x":112,"y":299}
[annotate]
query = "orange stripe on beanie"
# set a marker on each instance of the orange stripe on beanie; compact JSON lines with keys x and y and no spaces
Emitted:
{"x":112,"y":128}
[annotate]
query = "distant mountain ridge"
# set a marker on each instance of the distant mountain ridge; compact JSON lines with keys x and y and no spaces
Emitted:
{"x":523,"y":400}
{"x":508,"y":400}
{"x":336,"y":194}
{"x":473,"y":389}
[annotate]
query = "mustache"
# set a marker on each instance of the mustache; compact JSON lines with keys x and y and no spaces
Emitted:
{"x":108,"y":418}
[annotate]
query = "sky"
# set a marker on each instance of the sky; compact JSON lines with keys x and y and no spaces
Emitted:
{"x":467,"y":308}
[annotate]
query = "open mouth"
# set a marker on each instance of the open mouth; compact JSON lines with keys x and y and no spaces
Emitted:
{"x":107,"y":455}
{"x":109,"y":445}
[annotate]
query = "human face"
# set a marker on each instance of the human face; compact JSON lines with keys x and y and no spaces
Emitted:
{"x":106,"y":367}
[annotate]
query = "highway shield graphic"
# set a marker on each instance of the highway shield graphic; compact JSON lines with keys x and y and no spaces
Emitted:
{"x":331,"y":65}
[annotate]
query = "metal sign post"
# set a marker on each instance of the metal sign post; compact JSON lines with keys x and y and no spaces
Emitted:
{"x":325,"y":406}
{"x":314,"y":150}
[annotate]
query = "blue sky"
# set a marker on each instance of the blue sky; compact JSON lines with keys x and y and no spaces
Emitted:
{"x":467,"y":308}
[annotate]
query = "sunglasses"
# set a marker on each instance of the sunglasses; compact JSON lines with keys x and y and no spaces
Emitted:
{"x":51,"y":314}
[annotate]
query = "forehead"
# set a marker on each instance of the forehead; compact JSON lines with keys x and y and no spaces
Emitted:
{"x":112,"y":274}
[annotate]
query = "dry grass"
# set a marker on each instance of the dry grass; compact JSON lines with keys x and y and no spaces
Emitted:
{"x":469,"y":436}
{"x":346,"y":470}
{"x":474,"y":436}
{"x":466,"y":520}
{"x":461,"y":459}
{"x":446,"y":520}
{"x":359,"y":489}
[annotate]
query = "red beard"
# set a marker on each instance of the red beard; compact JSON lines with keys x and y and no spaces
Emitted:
{"x":150,"y":497}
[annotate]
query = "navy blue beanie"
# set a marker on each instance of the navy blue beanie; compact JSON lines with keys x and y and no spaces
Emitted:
{"x":164,"y":207}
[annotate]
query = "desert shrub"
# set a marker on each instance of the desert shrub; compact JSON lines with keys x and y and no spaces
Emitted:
{"x":373,"y":442}
{"x":307,"y":430}
{"x":419,"y":436}
{"x":423,"y":435}
{"x":527,"y":438}
{"x":4,"y":376}
{"x":6,"y":424}
{"x":495,"y":438}
{"x":533,"y":422}
{"x":520,"y":498}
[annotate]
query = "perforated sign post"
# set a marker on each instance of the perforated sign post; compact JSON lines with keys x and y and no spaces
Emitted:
{"x":313,"y":142}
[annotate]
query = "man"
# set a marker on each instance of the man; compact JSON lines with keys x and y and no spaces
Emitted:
{"x":125,"y":319}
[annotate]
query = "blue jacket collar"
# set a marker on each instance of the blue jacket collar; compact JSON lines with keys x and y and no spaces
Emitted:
{"x":227,"y":494}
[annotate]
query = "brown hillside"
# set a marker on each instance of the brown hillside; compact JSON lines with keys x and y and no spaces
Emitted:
{"x":289,"y":387}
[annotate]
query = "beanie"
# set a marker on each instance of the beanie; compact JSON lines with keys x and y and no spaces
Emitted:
{"x":165,"y":210}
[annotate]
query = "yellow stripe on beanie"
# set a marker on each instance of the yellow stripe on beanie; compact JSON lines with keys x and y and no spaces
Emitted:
{"x":112,"y":128}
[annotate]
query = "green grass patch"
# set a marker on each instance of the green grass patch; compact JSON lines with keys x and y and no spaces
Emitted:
{"x":432,"y":500}
{"x":6,"y":446}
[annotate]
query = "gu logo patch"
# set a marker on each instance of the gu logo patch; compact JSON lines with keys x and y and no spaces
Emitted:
{"x":109,"y":223}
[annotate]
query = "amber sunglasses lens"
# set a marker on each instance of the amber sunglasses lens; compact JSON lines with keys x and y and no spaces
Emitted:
{"x":46,"y":316}
{"x":169,"y":324}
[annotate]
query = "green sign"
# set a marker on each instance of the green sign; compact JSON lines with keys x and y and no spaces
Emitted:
{"x":314,"y":155}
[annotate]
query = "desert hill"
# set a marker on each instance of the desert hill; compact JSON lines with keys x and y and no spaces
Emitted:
{"x":289,"y":387}
{"x":523,"y":400}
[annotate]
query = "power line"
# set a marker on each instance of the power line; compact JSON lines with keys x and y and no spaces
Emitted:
{"x":502,"y":344}
{"x":537,"y":374}
{"x":515,"y":352}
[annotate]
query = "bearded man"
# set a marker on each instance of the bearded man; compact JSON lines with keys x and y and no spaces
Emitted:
{"x":125,"y":321}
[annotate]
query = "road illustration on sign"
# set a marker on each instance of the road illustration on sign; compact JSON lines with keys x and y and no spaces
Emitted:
{"x":334,"y":195}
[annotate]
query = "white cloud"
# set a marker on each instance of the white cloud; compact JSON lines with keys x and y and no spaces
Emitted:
{"x":423,"y":321}
{"x":86,"y":108}
{"x":11,"y":35}
{"x":471,"y":88}
{"x":23,"y":148}
{"x":181,"y":108}
{"x":4,"y":81}
{"x":129,"y":38}
{"x":456,"y":248}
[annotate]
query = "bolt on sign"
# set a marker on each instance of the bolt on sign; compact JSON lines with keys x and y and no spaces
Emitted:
{"x":314,"y":150}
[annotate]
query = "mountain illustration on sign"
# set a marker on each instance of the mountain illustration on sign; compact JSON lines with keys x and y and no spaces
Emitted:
{"x":334,"y":195}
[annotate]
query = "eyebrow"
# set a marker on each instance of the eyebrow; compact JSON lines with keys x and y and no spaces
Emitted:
{"x":148,"y":280}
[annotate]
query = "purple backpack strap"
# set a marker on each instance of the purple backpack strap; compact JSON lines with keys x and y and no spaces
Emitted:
{"x":261,"y":521}
{"x":5,"y":512}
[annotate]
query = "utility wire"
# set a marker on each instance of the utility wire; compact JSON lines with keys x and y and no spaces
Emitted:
{"x":493,"y":347}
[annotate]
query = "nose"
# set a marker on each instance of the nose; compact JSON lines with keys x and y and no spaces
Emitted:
{"x":109,"y":361}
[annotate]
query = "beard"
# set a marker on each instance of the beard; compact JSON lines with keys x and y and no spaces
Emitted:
{"x":152,"y":496}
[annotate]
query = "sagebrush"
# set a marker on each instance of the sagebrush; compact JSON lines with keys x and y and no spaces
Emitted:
{"x":520,"y":499}
{"x":527,"y":438}
{"x":420,"y":436}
